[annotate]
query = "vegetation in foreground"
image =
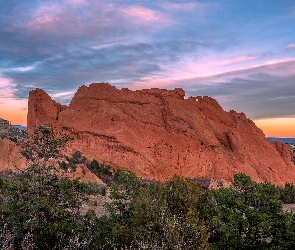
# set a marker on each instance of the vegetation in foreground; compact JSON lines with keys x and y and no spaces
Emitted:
{"x":39,"y":209}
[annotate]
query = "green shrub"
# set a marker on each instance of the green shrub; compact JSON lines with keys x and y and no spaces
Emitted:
{"x":104,"y":172}
{"x":40,"y":210}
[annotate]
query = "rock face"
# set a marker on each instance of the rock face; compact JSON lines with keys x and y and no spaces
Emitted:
{"x":157,"y":133}
{"x":42,"y":108}
{"x":10,"y":157}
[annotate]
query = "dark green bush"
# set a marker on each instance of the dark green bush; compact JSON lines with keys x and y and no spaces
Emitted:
{"x":288,"y":193}
{"x":104,"y":172}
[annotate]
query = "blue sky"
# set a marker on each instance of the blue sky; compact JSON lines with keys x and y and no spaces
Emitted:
{"x":242,"y":53}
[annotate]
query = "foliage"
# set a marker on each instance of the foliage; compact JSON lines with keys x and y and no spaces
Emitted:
{"x":39,"y":209}
{"x":244,"y":216}
{"x":43,"y":145}
{"x":71,"y":162}
{"x":13,"y":133}
{"x":104,"y":172}
{"x":125,"y":187}
{"x":284,"y":231}
{"x":288,"y":193}
{"x":166,"y":216}
{"x":151,"y":216}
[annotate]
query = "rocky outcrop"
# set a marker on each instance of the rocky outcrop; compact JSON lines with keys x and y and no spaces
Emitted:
{"x":11,"y":160}
{"x":84,"y":174}
{"x":42,"y":108}
{"x":10,"y":157}
{"x":157,"y":133}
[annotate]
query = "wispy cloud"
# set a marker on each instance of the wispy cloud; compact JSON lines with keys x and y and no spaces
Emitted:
{"x":7,"y":87}
{"x":262,"y":91}
{"x":93,"y":18}
{"x":234,"y":60}
{"x":291,"y":46}
{"x":141,"y":14}
{"x":20,"y":69}
{"x":63,"y":97}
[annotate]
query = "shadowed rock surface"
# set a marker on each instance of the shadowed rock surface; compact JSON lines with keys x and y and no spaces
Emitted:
{"x":157,"y":133}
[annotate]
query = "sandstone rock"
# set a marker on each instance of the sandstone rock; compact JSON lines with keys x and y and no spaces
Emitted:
{"x":42,"y":107}
{"x":284,"y":151}
{"x":84,"y":174}
{"x":10,"y":158}
{"x":157,"y":133}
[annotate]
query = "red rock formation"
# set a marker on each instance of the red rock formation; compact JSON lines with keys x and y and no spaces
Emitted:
{"x":157,"y":133}
{"x":10,"y":156}
{"x":42,"y":107}
{"x":84,"y":174}
{"x":12,"y":160}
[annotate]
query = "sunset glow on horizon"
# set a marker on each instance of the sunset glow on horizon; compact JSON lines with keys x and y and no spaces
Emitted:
{"x":14,"y":111}
{"x":277,"y":127}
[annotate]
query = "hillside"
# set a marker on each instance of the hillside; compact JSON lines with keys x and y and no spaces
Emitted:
{"x":14,"y":133}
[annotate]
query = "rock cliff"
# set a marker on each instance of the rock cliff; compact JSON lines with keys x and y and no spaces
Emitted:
{"x":157,"y":133}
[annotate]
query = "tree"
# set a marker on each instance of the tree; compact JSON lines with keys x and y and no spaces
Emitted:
{"x":166,"y":216}
{"x":118,"y":228}
{"x":243,"y":216}
{"x":39,"y":208}
{"x":288,"y":193}
{"x":151,"y":215}
{"x":44,"y":144}
{"x":104,"y":172}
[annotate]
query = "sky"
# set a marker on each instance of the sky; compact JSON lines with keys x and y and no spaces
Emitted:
{"x":242,"y":53}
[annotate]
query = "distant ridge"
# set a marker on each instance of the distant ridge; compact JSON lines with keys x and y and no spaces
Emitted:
{"x":290,"y":141}
{"x":13,"y":132}
{"x":20,"y":127}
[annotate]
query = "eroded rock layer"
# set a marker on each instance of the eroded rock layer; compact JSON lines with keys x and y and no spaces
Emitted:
{"x":157,"y":133}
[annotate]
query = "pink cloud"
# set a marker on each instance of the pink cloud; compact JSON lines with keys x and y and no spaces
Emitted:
{"x":283,"y":67}
{"x":291,"y":46}
{"x":93,"y":18}
{"x":235,"y":60}
{"x":76,"y":2}
{"x":7,"y":87}
{"x":140,"y":14}
{"x":46,"y":15}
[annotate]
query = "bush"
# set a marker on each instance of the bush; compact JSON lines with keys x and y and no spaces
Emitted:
{"x":39,"y":209}
{"x":247,"y":215}
{"x":104,"y":172}
{"x":288,"y":193}
{"x":166,"y":216}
